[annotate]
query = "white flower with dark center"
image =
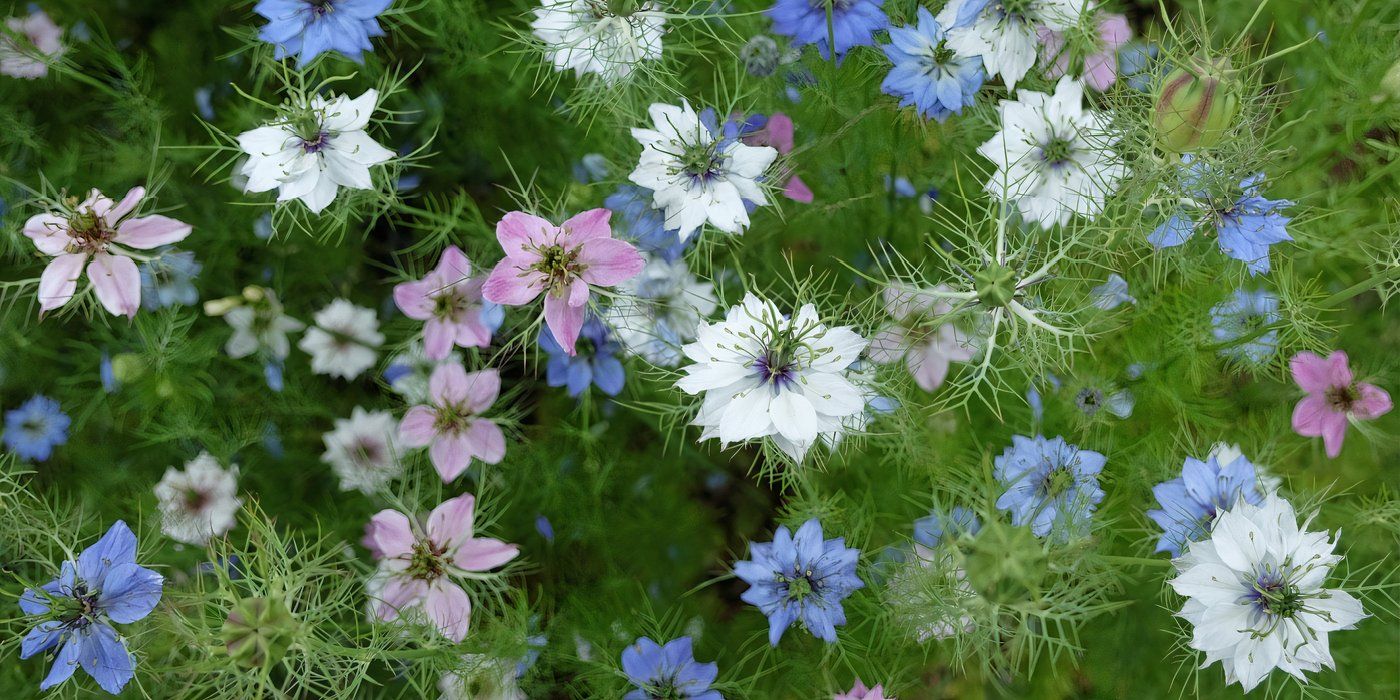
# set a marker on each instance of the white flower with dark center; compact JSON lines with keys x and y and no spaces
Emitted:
{"x":1254,"y":594}
{"x":660,"y":310}
{"x":311,"y":153}
{"x":343,"y":341}
{"x":764,"y":374}
{"x":1053,"y":157}
{"x":363,"y":450}
{"x":200,"y":502}
{"x":1003,"y":32}
{"x":696,"y":175}
{"x":259,"y":326}
{"x":606,"y":37}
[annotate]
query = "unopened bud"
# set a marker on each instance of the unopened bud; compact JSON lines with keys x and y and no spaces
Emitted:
{"x":127,"y":367}
{"x":996,"y":285}
{"x":1196,"y":105}
{"x":258,"y":631}
{"x":1006,"y":563}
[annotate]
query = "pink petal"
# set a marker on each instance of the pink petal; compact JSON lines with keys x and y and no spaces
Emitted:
{"x":929,"y":367}
{"x":1052,"y":49}
{"x":609,"y":261}
{"x":1115,"y":31}
{"x":1334,"y":431}
{"x":798,"y":191}
{"x":449,"y":609}
{"x":1338,"y":371}
{"x":519,"y":232}
{"x":450,"y":524}
{"x":96,"y":203}
{"x":60,"y":280}
{"x":484,"y":554}
{"x":590,"y":225}
{"x":1310,"y":372}
{"x":453,"y":266}
{"x":451,"y":454}
{"x":482,"y":389}
{"x":1311,"y":415}
{"x":118,"y":283}
{"x":151,"y":232}
{"x":49,"y":233}
{"x":1100,"y":70}
{"x":127,"y":205}
{"x":418,"y":427}
{"x":487,"y":440}
{"x":1373,"y":403}
{"x":888,"y":345}
{"x":438,"y":336}
{"x":564,"y":321}
{"x":780,"y":132}
{"x":448,"y":385}
{"x":512,"y":285}
{"x":399,"y":593}
{"x":393,"y":534}
{"x":472,"y":333}
{"x":415,"y":299}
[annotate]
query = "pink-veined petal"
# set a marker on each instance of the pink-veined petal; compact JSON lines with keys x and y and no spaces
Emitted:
{"x":449,"y":609}
{"x":519,"y":233}
{"x":117,"y":282}
{"x":392,"y":533}
{"x":451,"y":454}
{"x":484,"y":554}
{"x":151,"y":232}
{"x":564,"y":321}
{"x":609,"y":261}
{"x":418,"y":427}
{"x":450,"y":524}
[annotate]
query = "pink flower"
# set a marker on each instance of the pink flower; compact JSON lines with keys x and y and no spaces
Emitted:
{"x":422,"y":560}
{"x":45,"y":37}
{"x":560,"y":261}
{"x":1333,"y":398}
{"x":448,"y":301}
{"x":926,"y":349}
{"x":778,"y":134}
{"x":95,"y":229}
{"x":1100,"y":67}
{"x":453,"y":425}
{"x":860,"y":692}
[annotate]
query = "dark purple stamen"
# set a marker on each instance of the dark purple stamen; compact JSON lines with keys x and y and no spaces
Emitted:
{"x":315,"y":145}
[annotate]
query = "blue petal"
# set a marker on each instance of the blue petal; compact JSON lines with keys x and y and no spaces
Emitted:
{"x":106,"y":659}
{"x":116,"y":547}
{"x":131,"y":593}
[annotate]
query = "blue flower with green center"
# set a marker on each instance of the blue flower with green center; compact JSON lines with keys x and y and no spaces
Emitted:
{"x":1050,"y":484}
{"x":1245,"y":223}
{"x":308,"y":28}
{"x":595,"y":361}
{"x":845,"y":24}
{"x":800,"y":578}
{"x":1191,"y":502}
{"x":927,"y":74}
{"x":1244,"y":316}
{"x":669,"y":671}
{"x":35,"y":428}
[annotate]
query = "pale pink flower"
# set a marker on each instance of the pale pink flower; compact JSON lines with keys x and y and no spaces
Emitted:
{"x":1334,"y":397}
{"x":1100,"y":67}
{"x":43,"y":35}
{"x":420,"y":561}
{"x":561,"y":262}
{"x":927,"y":350}
{"x":448,"y":301}
{"x":97,"y":229}
{"x":777,"y":133}
{"x":860,"y":692}
{"x":453,"y":424}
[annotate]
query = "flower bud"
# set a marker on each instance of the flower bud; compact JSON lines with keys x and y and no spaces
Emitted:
{"x":127,"y":367}
{"x":1196,"y":105}
{"x":996,"y":285}
{"x":258,"y":631}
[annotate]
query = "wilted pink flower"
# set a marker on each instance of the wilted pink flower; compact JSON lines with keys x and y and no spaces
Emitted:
{"x":94,"y":229}
{"x":1334,"y":397}
{"x":778,"y":134}
{"x":1100,"y":67}
{"x":421,"y":561}
{"x":860,"y":692}
{"x":560,"y":261}
{"x":926,"y":349}
{"x":45,"y":37}
{"x":453,"y":425}
{"x":448,"y":301}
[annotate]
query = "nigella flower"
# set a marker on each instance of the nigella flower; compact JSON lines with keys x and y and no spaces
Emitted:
{"x":697,"y":175}
{"x":800,"y":578}
{"x":483,"y":678}
{"x":605,"y":37}
{"x":344,"y":340}
{"x":643,"y":225}
{"x":1334,"y":398}
{"x":35,"y":428}
{"x":1004,"y":32}
{"x":1245,"y":224}
{"x":169,"y":280}
{"x":669,"y":671}
{"x":408,"y":371}
{"x":1254,"y":594}
{"x":1100,"y":68}
{"x":660,"y":310}
{"x":452,"y":421}
{"x":1092,"y":399}
{"x":308,"y":28}
{"x":1050,"y":484}
{"x":199,"y":502}
{"x":76,"y":610}
{"x":921,"y":335}
{"x":259,"y":326}
{"x":927,"y":74}
{"x":850,"y":23}
{"x":363,"y":450}
{"x":448,"y":302}
{"x":1111,"y":294}
{"x":45,"y":46}
{"x":860,"y":692}
{"x":1191,"y":502}
{"x":1054,"y":158}
{"x":593,"y":362}
{"x":941,"y":527}
{"x":1242,"y":317}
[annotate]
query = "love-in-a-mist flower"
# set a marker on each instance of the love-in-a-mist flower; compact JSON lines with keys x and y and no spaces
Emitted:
{"x":308,"y":28}
{"x":637,"y":222}
{"x":697,"y":175}
{"x":860,"y":692}
{"x":927,"y":74}
{"x":1099,"y":68}
{"x":75,"y":611}
{"x":765,"y":374}
{"x":660,"y":309}
{"x":1245,"y":223}
{"x":45,"y":45}
{"x":1111,"y":294}
{"x":100,"y":234}
{"x":1053,"y":157}
{"x":344,"y":341}
{"x":668,"y":671}
{"x":452,"y":424}
{"x":199,"y":502}
{"x":169,"y":280}
{"x":1334,"y":398}
{"x":800,"y":578}
{"x":35,"y":428}
{"x":607,"y":37}
{"x":1241,"y":317}
{"x":420,"y":560}
{"x":259,"y":325}
{"x":363,"y":450}
{"x":1004,"y":32}
{"x":920,"y":335}
{"x":562,"y":262}
{"x":1255,"y":597}
{"x":482,"y":677}
{"x":311,"y":152}
{"x":448,"y":302}
{"x":594,"y":361}
{"x":1191,"y":502}
{"x":850,"y":23}
{"x":408,"y":371}
{"x":1051,"y":485}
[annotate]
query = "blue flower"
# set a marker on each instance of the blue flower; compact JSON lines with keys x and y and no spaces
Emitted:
{"x":1111,"y":294}
{"x":309,"y":28}
{"x":1191,"y":502}
{"x":36,"y":427}
{"x":802,"y":577}
{"x":1245,"y":225}
{"x":852,"y":23}
{"x":939,"y":527}
{"x":108,"y":374}
{"x":1139,"y":65}
{"x":1049,"y":484}
{"x":595,"y":363}
{"x":169,"y":280}
{"x":643,"y":225}
{"x":76,"y":610}
{"x":669,"y":671}
{"x":927,"y":74}
{"x":1244,"y":314}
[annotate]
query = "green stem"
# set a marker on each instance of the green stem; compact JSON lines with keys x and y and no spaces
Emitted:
{"x":1136,"y":561}
{"x":1361,"y":287}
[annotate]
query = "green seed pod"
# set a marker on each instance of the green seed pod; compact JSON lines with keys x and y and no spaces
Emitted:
{"x":258,"y":631}
{"x":128,"y":367}
{"x":1006,"y":564}
{"x":1196,"y":105}
{"x":996,"y":285}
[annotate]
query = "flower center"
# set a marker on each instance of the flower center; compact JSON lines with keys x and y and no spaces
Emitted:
{"x":426,"y":562}
{"x":777,"y":366}
{"x":1277,"y":597}
{"x":320,"y":8}
{"x":560,"y":265}
{"x":316,"y":142}
{"x":448,"y":305}
{"x":702,"y":161}
{"x":196,"y":500}
{"x":88,"y":232}
{"x":800,"y":586}
{"x":1016,"y":7}
{"x":1057,"y":152}
{"x":451,"y":419}
{"x":366,"y":453}
{"x":833,"y":5}
{"x":1089,"y":401}
{"x":995,"y":285}
{"x":1057,"y":482}
{"x":1341,"y":398}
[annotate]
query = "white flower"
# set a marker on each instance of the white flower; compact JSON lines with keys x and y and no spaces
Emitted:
{"x":1255,"y":597}
{"x":342,"y":342}
{"x":660,"y":310}
{"x":485,"y":678}
{"x":200,"y":502}
{"x":1054,"y":158}
{"x":311,"y":156}
{"x":363,"y":450}
{"x":764,"y":374}
{"x":694,"y":175}
{"x":258,"y":326}
{"x":590,"y":37}
{"x":1004,"y":32}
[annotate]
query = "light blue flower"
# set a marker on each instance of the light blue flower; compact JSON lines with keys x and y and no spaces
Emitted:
{"x":36,"y":427}
{"x":594,"y":362}
{"x":1111,"y":294}
{"x":168,"y":280}
{"x":669,"y":671}
{"x":940,"y":527}
{"x":1191,"y":502}
{"x":850,"y":23}
{"x":1243,"y":314}
{"x":1139,"y":65}
{"x":308,"y":28}
{"x":800,"y":577}
{"x":638,"y":222}
{"x":1050,"y":484}
{"x":927,"y":74}
{"x":1245,"y":224}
